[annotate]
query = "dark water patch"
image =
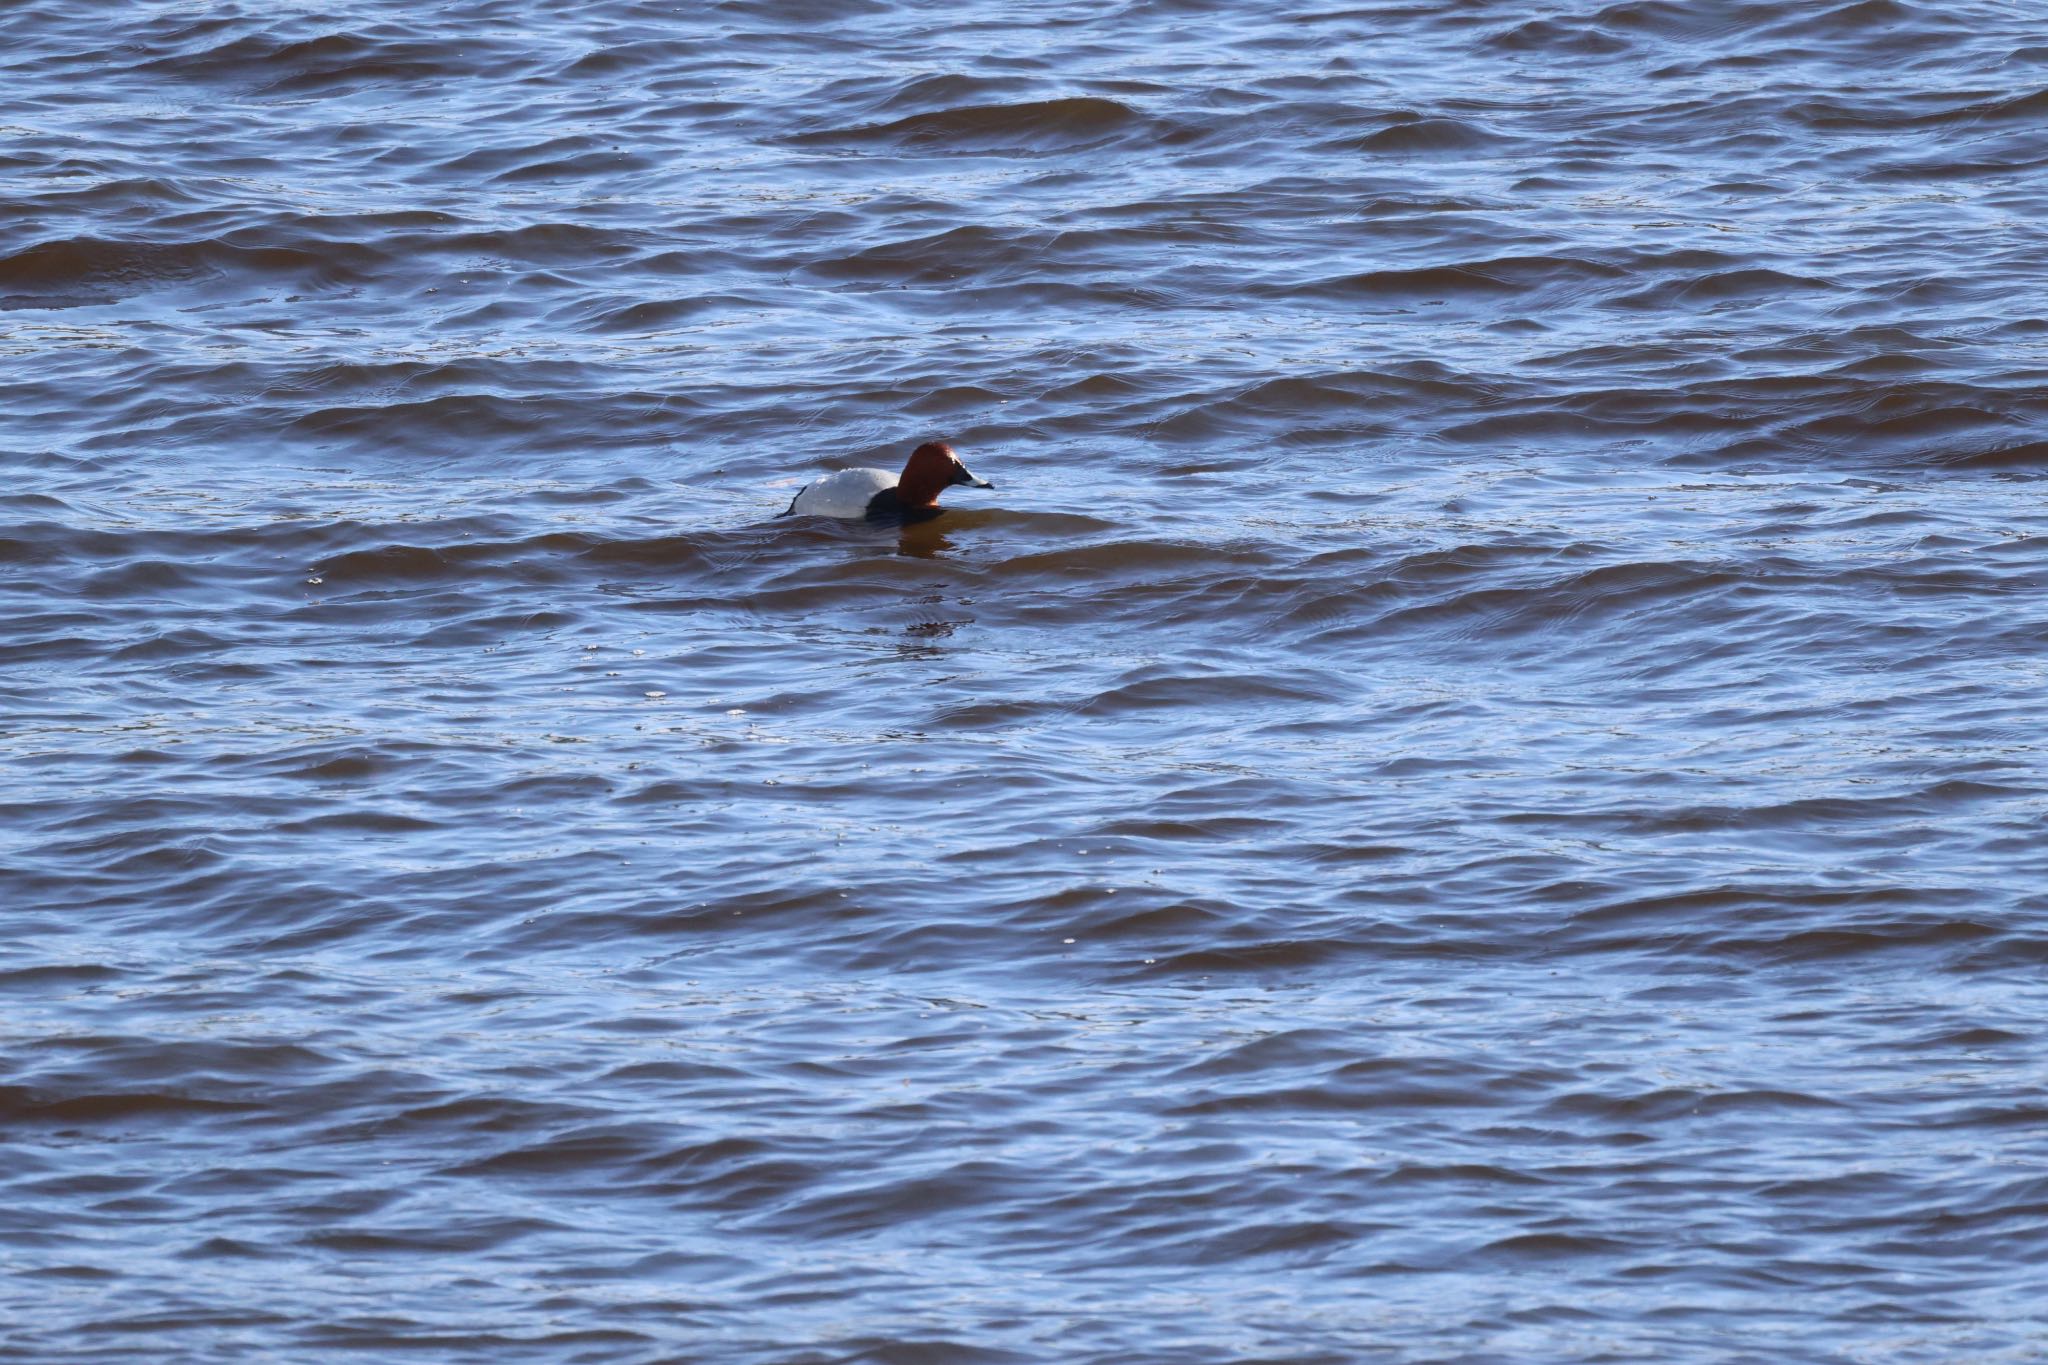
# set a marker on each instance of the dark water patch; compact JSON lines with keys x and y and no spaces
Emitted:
{"x":662,"y":314}
{"x":1755,"y":287}
{"x":1426,"y":136}
{"x":943,"y":256}
{"x":637,"y":55}
{"x":549,"y":243}
{"x":61,"y":266}
{"x":58,"y":974}
{"x":1477,"y":279}
{"x":267,"y":65}
{"x":1074,"y":123}
{"x":1433,"y":282}
{"x":1551,"y":36}
{"x":31,"y":1104}
{"x":99,"y":270}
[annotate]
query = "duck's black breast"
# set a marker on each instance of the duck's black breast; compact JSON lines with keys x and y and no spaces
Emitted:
{"x":885,"y":506}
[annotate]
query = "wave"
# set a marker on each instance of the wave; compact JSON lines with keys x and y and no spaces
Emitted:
{"x":1069,"y":124}
{"x":1494,"y":276}
{"x":94,"y":269}
{"x":270,"y":64}
{"x":1420,"y":136}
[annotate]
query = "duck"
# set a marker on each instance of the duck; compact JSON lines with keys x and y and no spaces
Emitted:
{"x":878,"y":495}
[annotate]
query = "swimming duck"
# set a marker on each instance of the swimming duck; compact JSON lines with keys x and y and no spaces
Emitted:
{"x":880,"y":496}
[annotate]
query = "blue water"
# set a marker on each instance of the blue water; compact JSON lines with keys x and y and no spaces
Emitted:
{"x":1473,"y":793}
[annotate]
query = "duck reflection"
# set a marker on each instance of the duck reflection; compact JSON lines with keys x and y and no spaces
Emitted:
{"x":923,"y":540}
{"x":930,"y":539}
{"x":927,"y":639}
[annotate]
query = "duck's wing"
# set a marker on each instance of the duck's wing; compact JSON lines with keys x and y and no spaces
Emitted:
{"x":843,"y":493}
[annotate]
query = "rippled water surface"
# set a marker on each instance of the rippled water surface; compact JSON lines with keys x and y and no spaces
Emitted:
{"x":1474,"y":793}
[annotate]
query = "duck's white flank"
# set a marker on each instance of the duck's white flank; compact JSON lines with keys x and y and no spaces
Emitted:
{"x":845,"y":493}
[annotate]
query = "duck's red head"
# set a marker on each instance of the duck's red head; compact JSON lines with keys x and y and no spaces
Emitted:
{"x":932,"y":469}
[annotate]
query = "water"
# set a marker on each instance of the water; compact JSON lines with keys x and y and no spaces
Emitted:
{"x":1474,"y":793}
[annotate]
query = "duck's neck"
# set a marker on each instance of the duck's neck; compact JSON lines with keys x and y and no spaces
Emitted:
{"x":920,"y":487}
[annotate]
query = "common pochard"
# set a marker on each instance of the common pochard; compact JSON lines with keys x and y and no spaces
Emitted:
{"x":879,"y":495}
